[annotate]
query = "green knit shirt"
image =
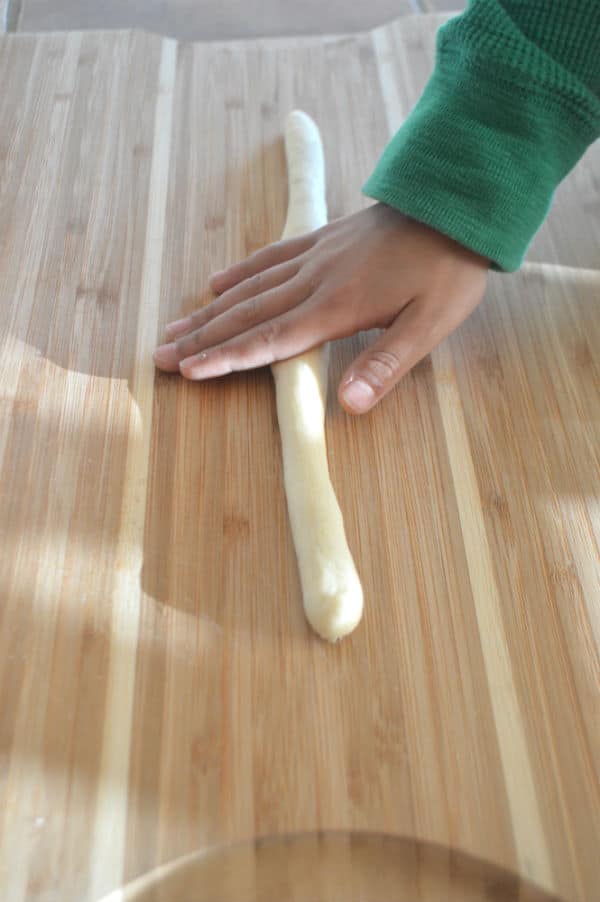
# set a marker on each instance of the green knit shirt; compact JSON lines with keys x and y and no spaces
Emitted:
{"x":513,"y":103}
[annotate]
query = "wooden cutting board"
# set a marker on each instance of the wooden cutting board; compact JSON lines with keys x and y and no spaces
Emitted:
{"x":160,"y":690}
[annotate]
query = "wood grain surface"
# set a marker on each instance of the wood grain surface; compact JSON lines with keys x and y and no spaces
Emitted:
{"x":160,"y":691}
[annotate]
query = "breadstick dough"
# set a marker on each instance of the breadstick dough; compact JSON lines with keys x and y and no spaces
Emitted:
{"x":331,"y":589}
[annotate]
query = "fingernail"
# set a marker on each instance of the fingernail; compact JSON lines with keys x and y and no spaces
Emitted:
{"x":191,"y":362}
{"x":178,"y":326}
{"x":358,"y":395}
{"x":166,"y":355}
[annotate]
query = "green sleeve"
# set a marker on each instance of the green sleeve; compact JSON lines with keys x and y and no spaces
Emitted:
{"x":513,"y":103}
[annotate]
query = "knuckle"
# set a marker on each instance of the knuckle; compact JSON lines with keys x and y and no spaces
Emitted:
{"x":269,"y":332}
{"x":312,"y":280}
{"x":382,"y":367}
{"x":187,"y":345}
{"x":307,"y":276}
{"x":199,"y":317}
{"x":247,"y":313}
{"x":181,"y":344}
{"x":255,"y":281}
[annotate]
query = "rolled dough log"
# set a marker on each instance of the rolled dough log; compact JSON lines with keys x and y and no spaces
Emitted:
{"x":331,"y":589}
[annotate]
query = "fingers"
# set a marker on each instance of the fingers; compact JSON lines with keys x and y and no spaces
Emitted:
{"x":418,"y":328}
{"x":304,"y":326}
{"x":267,"y":257}
{"x":236,"y":320}
{"x":251,"y":287}
{"x":276,"y":339}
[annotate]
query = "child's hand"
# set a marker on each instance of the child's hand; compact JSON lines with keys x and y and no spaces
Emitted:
{"x":374,"y":268}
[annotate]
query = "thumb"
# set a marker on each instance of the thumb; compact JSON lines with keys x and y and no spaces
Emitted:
{"x":377,"y":370}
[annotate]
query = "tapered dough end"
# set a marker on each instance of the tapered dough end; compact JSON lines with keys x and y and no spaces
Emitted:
{"x":335,"y":615}
{"x":298,"y":119}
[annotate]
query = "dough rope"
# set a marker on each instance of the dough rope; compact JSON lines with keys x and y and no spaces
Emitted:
{"x":331,"y":590}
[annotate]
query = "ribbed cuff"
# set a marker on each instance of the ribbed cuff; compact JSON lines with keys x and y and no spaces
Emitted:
{"x":481,"y":155}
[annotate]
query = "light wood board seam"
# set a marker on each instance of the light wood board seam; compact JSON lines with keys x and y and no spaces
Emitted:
{"x":112,"y":803}
{"x":531,"y":845}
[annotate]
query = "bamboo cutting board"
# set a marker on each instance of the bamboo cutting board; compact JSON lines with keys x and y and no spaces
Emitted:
{"x":160,"y":690}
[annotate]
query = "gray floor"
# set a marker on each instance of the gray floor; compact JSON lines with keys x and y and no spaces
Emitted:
{"x":214,"y":19}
